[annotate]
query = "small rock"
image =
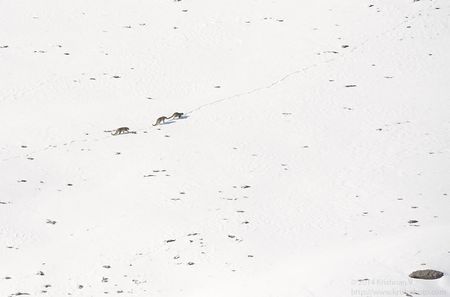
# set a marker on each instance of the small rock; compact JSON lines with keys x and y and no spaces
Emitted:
{"x":426,"y":274}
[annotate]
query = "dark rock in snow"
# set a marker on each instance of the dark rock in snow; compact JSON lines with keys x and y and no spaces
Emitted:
{"x":428,"y":274}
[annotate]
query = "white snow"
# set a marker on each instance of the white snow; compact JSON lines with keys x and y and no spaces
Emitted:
{"x":335,"y":114}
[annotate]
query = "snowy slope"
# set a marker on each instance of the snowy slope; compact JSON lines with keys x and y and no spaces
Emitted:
{"x":314,"y":132}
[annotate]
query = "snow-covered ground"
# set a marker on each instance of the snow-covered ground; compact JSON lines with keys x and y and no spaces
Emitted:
{"x":313,"y":160}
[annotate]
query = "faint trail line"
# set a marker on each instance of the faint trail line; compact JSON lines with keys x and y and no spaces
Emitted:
{"x":304,"y":69}
{"x":254,"y":90}
{"x":53,"y":146}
